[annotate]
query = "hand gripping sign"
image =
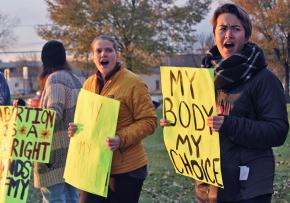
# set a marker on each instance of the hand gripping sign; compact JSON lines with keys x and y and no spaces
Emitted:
{"x":89,"y":160}
{"x":188,"y":99}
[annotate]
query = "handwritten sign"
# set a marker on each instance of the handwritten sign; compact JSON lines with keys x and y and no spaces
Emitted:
{"x":25,"y":137}
{"x":188,"y":100}
{"x":15,"y":180}
{"x":26,"y":133}
{"x":89,"y":160}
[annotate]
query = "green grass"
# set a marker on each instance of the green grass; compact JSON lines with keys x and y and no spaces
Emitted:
{"x":164,"y":185}
{"x":282,"y":178}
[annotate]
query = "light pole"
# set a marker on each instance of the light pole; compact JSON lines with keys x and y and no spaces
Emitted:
{"x":25,"y":77}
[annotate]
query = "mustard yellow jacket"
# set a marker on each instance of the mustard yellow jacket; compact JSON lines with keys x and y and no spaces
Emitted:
{"x":137,"y":118}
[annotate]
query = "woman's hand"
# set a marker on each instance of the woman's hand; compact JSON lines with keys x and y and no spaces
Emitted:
{"x":164,"y":122}
{"x":113,"y":143}
{"x":215,"y":122}
{"x":15,"y":102}
{"x":72,"y":128}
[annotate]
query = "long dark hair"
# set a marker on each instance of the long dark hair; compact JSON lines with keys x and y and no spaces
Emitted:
{"x":53,"y":56}
{"x":49,"y":70}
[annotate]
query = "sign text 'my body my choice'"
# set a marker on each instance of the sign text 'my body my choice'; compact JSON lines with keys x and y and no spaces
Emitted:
{"x":185,"y":110}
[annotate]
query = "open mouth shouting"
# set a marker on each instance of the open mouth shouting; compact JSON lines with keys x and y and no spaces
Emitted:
{"x":229,"y":45}
{"x":104,"y":62}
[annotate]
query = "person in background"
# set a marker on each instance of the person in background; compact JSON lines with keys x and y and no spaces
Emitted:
{"x":19,"y":102}
{"x":252,"y":112}
{"x":136,"y":120}
{"x":4,"y":91}
{"x":59,"y":92}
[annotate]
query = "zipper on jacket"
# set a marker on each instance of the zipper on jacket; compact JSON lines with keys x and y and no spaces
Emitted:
{"x":107,"y":83}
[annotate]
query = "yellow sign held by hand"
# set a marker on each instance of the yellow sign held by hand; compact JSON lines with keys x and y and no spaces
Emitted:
{"x":188,"y":100}
{"x":89,"y":160}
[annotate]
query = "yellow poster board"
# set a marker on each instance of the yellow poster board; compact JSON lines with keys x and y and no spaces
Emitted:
{"x":25,"y":136}
{"x":89,"y":160}
{"x":14,"y":180}
{"x":188,"y":100}
{"x":26,"y":133}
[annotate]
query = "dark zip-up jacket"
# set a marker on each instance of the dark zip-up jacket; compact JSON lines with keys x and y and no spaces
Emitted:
{"x":256,"y":121}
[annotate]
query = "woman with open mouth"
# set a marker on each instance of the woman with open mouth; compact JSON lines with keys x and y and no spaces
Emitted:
{"x":252,"y":112}
{"x":254,"y":116}
{"x":136,"y":120}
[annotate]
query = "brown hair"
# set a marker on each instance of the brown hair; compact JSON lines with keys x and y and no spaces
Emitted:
{"x":240,"y":13}
{"x":105,"y":37}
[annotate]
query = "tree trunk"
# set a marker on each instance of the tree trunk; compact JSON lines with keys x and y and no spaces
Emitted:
{"x":129,"y":64}
{"x":128,"y":59}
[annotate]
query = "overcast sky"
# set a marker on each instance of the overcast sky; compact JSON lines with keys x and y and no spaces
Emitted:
{"x":31,"y":13}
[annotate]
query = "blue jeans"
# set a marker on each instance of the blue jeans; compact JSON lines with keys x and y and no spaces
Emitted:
{"x":60,"y":193}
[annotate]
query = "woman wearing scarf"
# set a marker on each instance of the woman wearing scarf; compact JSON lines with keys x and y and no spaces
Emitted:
{"x":252,"y":112}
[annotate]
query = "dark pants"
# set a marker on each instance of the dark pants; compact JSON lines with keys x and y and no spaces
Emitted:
{"x":259,"y":199}
{"x":127,"y":190}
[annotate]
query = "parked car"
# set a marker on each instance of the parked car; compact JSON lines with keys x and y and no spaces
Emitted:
{"x":34,"y":101}
{"x":157,"y":100}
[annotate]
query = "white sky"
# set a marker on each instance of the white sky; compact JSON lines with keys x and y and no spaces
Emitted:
{"x":31,"y":13}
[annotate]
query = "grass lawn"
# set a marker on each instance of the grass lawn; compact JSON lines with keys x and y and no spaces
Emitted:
{"x":164,"y":185}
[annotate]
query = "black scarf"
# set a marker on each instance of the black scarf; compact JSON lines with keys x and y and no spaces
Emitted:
{"x":236,"y":69}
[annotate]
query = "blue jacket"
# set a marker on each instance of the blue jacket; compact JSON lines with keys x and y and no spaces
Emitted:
{"x":256,"y":122}
{"x":4,"y":91}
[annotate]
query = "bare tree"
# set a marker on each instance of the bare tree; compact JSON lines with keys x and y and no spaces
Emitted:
{"x":205,"y":41}
{"x":7,"y":36}
{"x":27,"y":57}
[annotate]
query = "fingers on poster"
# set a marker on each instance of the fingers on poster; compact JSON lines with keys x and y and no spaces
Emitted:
{"x":188,"y":100}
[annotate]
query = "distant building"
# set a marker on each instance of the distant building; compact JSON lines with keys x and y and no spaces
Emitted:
{"x":21,"y":76}
{"x":153,"y":79}
{"x":185,"y":60}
